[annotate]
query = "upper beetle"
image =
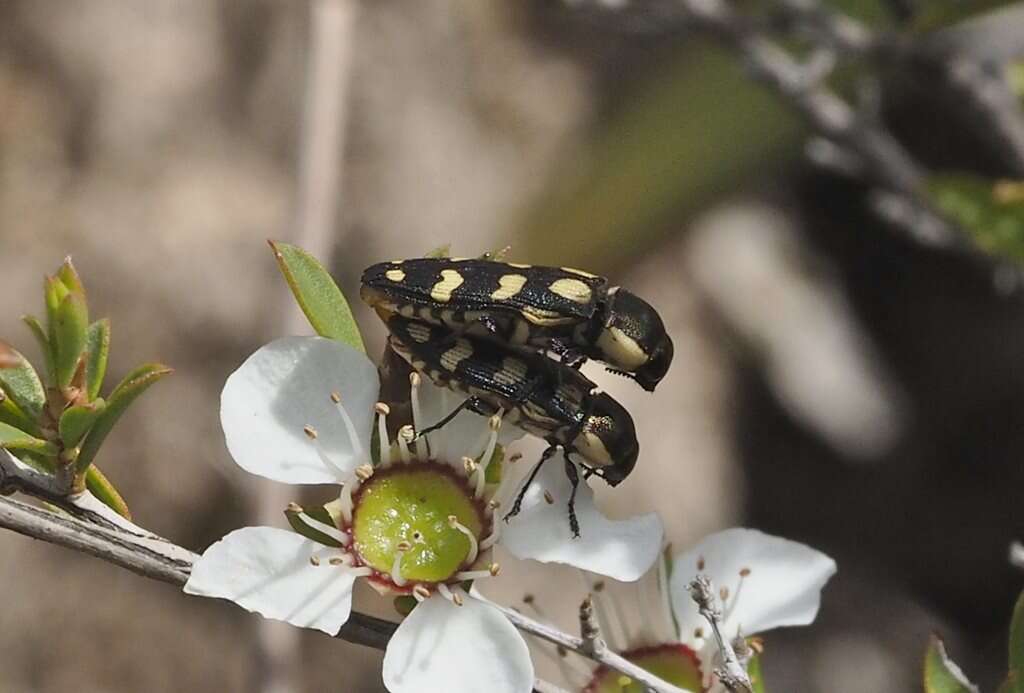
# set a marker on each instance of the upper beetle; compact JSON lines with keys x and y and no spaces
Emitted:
{"x":570,"y":312}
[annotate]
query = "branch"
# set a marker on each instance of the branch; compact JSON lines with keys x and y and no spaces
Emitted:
{"x":152,"y":557}
{"x":731,"y":674}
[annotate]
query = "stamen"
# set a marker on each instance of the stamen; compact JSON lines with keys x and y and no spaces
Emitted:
{"x":330,"y":530}
{"x":422,"y":448}
{"x":451,"y":596}
{"x":405,"y":435}
{"x":612,"y":625}
{"x":469,"y":465}
{"x":382,"y":411}
{"x":492,"y":538}
{"x":396,"y":567}
{"x":314,"y":560}
{"x":421,"y":593}
{"x":345,"y":500}
{"x":731,"y":606}
{"x":357,"y":447}
{"x":474,"y":548}
{"x":361,"y":571}
{"x":492,"y":571}
{"x":491,"y":506}
{"x":494,"y":425}
{"x":548,"y":498}
{"x":364,"y":472}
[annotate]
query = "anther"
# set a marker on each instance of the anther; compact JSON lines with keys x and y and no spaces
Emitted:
{"x":548,"y":498}
{"x":469,"y":465}
{"x":337,"y":560}
{"x":494,"y":423}
{"x":294,"y":507}
{"x":474,"y":547}
{"x":515,"y":457}
{"x":382,"y":408}
{"x":528,"y":599}
{"x":744,"y":572}
{"x":457,"y":598}
{"x":309,"y":431}
{"x":494,"y":569}
{"x":599,"y":586}
{"x":364,"y":472}
{"x":723,"y":593}
{"x":700,"y":563}
{"x":405,"y":436}
{"x":336,"y":397}
{"x":698,"y":632}
{"x":421,"y":593}
{"x":624,"y":682}
{"x":314,"y":560}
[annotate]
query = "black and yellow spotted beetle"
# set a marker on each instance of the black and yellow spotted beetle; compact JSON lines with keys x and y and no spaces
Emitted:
{"x":536,"y":393}
{"x":567,"y":311}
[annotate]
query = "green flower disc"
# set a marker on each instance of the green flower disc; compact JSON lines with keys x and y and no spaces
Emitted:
{"x":412,"y":504}
{"x":674,"y":663}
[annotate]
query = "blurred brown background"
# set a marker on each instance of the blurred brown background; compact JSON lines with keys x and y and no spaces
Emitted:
{"x":833,"y":382}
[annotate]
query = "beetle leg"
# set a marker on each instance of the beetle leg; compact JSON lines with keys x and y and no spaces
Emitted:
{"x":474,"y":404}
{"x":517,"y":506}
{"x":574,"y":478}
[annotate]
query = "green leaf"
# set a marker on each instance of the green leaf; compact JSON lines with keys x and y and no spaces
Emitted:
{"x":44,"y":344}
{"x":70,"y":330}
{"x":68,"y":276}
{"x":941,"y":674}
{"x":1016,"y":675}
{"x":101,"y":487}
{"x":21,"y":383}
{"x":11,"y":414}
{"x":76,"y":421}
{"x":97,"y":350}
{"x":991,"y":212}
{"x":309,"y":530}
{"x":318,"y":296}
{"x":755,"y":673}
{"x":54,"y":292}
{"x":13,"y":438}
{"x":133,"y":385}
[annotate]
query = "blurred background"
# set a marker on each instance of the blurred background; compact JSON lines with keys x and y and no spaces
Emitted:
{"x":834,"y":382}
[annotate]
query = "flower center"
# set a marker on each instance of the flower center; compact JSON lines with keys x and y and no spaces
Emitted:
{"x":675,"y":663}
{"x":419,"y":523}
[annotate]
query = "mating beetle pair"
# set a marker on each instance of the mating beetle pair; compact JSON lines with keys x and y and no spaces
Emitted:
{"x":485,"y":328}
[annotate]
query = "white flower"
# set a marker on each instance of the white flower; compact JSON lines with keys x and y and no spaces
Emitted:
{"x":762,"y":582}
{"x":302,"y":410}
{"x":767,"y":582}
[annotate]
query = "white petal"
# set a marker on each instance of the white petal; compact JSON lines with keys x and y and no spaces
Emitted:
{"x":783,"y":587}
{"x":440,"y":648}
{"x":621,"y":549}
{"x":465,"y":430}
{"x":287,"y":385}
{"x":268,"y":571}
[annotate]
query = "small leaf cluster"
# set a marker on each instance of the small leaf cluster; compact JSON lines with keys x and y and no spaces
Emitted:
{"x":991,"y":212}
{"x":942,"y":675}
{"x":54,"y":418}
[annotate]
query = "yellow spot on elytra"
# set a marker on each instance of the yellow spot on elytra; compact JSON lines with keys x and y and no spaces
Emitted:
{"x":395,"y":275}
{"x":450,"y":281}
{"x":571,"y":289}
{"x":508,"y":286}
